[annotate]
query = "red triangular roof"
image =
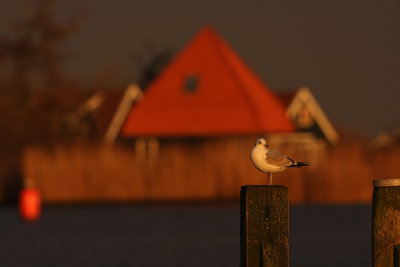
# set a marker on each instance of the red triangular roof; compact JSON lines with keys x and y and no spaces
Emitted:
{"x":228,"y":100}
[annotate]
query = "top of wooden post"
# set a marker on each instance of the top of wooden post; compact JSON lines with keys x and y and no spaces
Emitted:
{"x":386,"y":182}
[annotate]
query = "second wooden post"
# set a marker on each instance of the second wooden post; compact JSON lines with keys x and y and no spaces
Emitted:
{"x":264,"y":226}
{"x":386,"y":223}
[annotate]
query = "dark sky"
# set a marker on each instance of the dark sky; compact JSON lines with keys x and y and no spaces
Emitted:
{"x":346,"y":52}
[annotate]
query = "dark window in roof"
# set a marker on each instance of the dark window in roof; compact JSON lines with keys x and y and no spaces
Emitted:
{"x":191,"y":83}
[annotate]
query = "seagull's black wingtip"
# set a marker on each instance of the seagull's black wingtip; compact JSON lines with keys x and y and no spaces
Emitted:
{"x":303,"y":163}
{"x":300,"y":164}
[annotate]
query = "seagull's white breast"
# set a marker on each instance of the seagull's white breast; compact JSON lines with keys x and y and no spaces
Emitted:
{"x":259,"y":158}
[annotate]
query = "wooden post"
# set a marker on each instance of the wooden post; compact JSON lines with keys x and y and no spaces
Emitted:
{"x":264,"y":226}
{"x":386,"y":223}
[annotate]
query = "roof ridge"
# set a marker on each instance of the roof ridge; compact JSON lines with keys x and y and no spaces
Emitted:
{"x":224,"y":58}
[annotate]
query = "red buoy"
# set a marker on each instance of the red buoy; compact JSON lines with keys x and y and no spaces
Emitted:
{"x":29,"y":202}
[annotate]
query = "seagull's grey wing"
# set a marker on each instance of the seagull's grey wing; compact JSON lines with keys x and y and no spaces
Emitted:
{"x":279,"y":159}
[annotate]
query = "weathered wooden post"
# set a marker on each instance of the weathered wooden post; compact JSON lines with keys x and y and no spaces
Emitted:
{"x":386,"y":223}
{"x":264,"y":226}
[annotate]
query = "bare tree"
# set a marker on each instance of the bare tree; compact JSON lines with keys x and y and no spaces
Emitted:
{"x":34,"y":50}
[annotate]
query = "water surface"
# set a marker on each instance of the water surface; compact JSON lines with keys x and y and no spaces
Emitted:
{"x":176,"y":235}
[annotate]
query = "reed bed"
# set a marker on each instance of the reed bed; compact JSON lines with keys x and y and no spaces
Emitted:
{"x":200,"y":170}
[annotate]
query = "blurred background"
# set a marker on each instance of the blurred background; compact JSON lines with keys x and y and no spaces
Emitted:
{"x":146,"y":112}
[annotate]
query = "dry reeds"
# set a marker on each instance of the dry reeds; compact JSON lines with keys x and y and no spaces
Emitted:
{"x":211,"y":169}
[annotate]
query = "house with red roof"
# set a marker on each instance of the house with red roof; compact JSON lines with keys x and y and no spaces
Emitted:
{"x":207,"y":90}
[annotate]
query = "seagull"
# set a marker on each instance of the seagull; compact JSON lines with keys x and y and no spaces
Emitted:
{"x":270,"y":161}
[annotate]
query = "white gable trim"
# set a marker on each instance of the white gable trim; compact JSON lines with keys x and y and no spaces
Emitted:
{"x":132,"y":94}
{"x":305,"y":97}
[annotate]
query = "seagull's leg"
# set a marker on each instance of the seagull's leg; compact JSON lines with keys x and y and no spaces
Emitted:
{"x":268,"y":178}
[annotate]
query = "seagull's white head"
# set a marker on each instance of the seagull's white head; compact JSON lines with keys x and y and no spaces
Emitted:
{"x":261,"y":142}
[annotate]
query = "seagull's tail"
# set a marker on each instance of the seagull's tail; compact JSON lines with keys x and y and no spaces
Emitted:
{"x":300,"y":164}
